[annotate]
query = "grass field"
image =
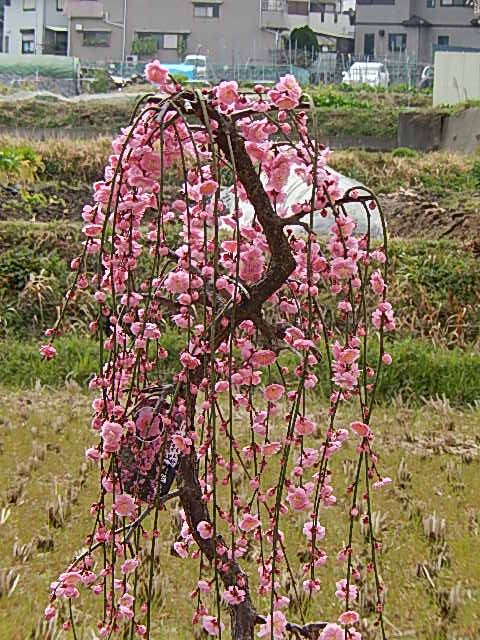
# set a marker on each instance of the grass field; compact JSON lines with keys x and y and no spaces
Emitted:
{"x":428,"y":518}
{"x":431,"y":452}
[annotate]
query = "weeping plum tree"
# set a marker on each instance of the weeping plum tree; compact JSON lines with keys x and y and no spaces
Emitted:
{"x":233,"y":426}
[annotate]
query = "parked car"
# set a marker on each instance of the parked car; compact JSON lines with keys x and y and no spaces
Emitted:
{"x":426,"y":79}
{"x":200,"y":64}
{"x":374,"y":74}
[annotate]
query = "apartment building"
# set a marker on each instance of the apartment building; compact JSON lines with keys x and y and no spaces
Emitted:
{"x":331,"y":21}
{"x":35,"y":27}
{"x":415,"y":28}
{"x":227,"y":31}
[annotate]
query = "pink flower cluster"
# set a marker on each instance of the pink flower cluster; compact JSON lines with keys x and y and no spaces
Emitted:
{"x":205,"y":265}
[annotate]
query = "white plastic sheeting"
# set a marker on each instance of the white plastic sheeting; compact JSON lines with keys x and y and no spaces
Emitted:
{"x":298,"y":191}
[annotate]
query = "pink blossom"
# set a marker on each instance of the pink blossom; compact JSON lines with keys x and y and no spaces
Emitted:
{"x":111,"y":434}
{"x":129,"y":566}
{"x":382,"y":483}
{"x":341,"y":591}
{"x":279,"y":626}
{"x":344,"y":268}
{"x":332,"y":632}
{"x":274,"y":392}
{"x":263,"y":357}
{"x":385,"y":311}
{"x":311,"y":586}
{"x":208,"y":187}
{"x":298,"y":500}
{"x":156,"y":74}
{"x":308,"y":529}
{"x":211,"y":626}
{"x":181,"y":549}
{"x":252,"y":262}
{"x":177,"y":282}
{"x":92,"y":454}
{"x":182,"y":443}
{"x":304,"y":426}
{"x":50,"y":612}
{"x":360,"y":428}
{"x":205,"y":530}
{"x":70,"y":578}
{"x":204,"y":586}
{"x":279,"y":173}
{"x":349,"y":617}
{"x":234,"y":596}
{"x":287,"y":92}
{"x":271,"y":448}
{"x":377,"y":283}
{"x":48,"y":351}
{"x":387,"y":359}
{"x":92,"y":230}
{"x":221,"y":386}
{"x":189,"y":361}
{"x":124,"y":505}
{"x":248,"y":522}
{"x":227,"y":92}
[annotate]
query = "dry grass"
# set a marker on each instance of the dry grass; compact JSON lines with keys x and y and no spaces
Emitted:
{"x":431,"y":567}
{"x":84,"y":160}
{"x":386,"y":172}
{"x":67,"y":159}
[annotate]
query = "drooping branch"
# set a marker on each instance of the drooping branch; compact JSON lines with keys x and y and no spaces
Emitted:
{"x":282,"y":263}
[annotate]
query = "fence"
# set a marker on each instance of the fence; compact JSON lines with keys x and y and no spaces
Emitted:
{"x":57,"y":74}
{"x":323,"y":68}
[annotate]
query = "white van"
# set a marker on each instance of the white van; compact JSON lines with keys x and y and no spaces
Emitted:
{"x":200,"y":64}
{"x":375,"y":74}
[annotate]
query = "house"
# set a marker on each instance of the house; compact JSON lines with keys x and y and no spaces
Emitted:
{"x":35,"y":27}
{"x":331,"y":21}
{"x":229,"y":32}
{"x":415,"y":29}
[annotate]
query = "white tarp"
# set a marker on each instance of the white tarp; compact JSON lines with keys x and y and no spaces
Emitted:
{"x":298,"y":191}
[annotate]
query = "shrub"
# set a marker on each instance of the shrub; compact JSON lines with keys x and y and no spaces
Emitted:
{"x":404,"y":152}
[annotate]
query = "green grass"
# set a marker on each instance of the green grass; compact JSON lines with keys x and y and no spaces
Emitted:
{"x":431,"y":452}
{"x":419,"y":369}
{"x":433,"y":284}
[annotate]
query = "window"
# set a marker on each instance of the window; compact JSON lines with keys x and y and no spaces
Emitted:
{"x":369,"y":45}
{"x":273,"y":5}
{"x":397,"y":42}
{"x":205,"y":11}
{"x":60,"y":5}
{"x":455,"y":3}
{"x":430,"y":4}
{"x":297,"y":8}
{"x":170,"y":41}
{"x":96,"y":38}
{"x":28,"y":41}
{"x":29,"y":5}
{"x":161,"y":40}
{"x":7,"y":44}
{"x":443,"y":41}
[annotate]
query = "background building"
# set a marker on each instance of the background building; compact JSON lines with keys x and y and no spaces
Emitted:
{"x":35,"y":26}
{"x":414,"y":28}
{"x":228,"y":32}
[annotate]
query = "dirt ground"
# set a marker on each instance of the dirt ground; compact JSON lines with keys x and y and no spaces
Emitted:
{"x":416,"y":213}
